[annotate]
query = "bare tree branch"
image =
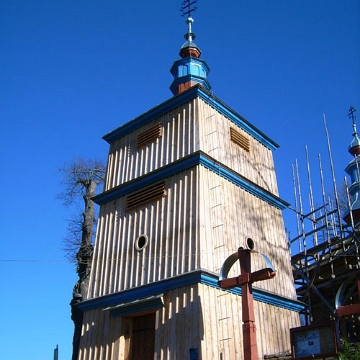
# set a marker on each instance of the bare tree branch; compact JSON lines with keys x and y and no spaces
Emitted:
{"x":80,"y":180}
{"x":77,"y":175}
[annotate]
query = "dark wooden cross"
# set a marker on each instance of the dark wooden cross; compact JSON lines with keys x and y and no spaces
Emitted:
{"x":245,"y":280}
{"x":187,"y":7}
{"x":351,"y":113}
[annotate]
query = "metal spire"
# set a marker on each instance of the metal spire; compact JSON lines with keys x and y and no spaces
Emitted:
{"x":190,"y":70}
{"x":354,"y":147}
{"x":187,"y":7}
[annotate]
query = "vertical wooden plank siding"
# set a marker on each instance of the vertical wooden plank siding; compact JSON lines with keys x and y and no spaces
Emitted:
{"x":179,"y":138}
{"x":196,"y":316}
{"x":170,"y":224}
{"x":240,"y":215}
{"x":228,"y":214}
{"x":201,"y":220}
{"x":177,"y":329}
{"x":194,"y":126}
{"x":256,"y":165}
{"x":225,"y":221}
{"x":225,"y":308}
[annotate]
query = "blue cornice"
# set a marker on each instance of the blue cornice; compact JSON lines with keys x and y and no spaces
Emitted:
{"x":237,"y":119}
{"x":151,"y":115}
{"x":142,"y":291}
{"x":259,"y":295}
{"x":188,"y":279}
{"x":137,"y":306}
{"x":187,"y":78}
{"x":146,"y":180}
{"x":243,"y":183}
{"x":354,"y":163}
{"x":197,"y":158}
{"x":184,"y":97}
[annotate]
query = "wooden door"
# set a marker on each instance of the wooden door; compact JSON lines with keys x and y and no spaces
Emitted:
{"x":143,"y":337}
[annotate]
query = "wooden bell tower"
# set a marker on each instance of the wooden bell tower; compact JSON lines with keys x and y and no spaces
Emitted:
{"x":187,"y":183}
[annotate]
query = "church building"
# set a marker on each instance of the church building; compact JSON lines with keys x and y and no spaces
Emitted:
{"x":188,"y":183}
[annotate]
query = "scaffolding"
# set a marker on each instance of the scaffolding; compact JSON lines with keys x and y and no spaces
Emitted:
{"x":325,"y":252}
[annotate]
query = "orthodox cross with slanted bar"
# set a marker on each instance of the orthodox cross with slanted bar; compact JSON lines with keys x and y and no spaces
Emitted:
{"x":351,"y":113}
{"x":187,"y":7}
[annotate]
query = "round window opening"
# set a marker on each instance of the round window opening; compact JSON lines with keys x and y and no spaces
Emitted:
{"x":250,"y":244}
{"x":141,"y":242}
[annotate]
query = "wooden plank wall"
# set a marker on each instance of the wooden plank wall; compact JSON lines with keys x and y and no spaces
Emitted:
{"x":102,"y":337}
{"x":171,"y":226}
{"x":179,"y":138}
{"x":195,"y":316}
{"x":228,"y":216}
{"x":177,"y":329}
{"x":179,"y":234}
{"x":223,"y":330}
{"x":200,"y":222}
{"x":257,"y":165}
{"x":192,"y":127}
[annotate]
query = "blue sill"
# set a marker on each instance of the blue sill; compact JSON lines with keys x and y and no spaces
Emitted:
{"x":188,"y":162}
{"x":191,"y":278}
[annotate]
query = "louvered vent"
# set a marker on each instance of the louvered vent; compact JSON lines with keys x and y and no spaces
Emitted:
{"x":149,"y":135}
{"x":145,"y":195}
{"x":240,"y":139}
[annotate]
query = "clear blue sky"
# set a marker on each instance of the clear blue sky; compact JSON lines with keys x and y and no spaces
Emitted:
{"x":71,"y":71}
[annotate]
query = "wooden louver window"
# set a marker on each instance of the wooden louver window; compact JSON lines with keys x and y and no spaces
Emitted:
{"x":149,"y":135}
{"x":145,"y":195}
{"x":240,"y":139}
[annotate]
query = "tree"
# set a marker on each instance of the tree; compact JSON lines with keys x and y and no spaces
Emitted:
{"x":349,"y":351}
{"x":80,"y":180}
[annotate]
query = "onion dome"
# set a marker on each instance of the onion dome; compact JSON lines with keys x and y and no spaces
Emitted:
{"x":354,"y":148}
{"x":190,"y":70}
{"x":190,"y":48}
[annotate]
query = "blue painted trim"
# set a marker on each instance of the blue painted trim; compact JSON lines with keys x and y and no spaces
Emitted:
{"x":142,"y":291}
{"x":132,"y":309}
{"x":189,"y":61}
{"x":188,"y":279}
{"x":237,"y":119}
{"x":146,"y":180}
{"x":187,"y":78}
{"x":198,"y":158}
{"x":183,"y":98}
{"x":151,"y":115}
{"x":259,"y":295}
{"x":244,"y":183}
{"x":189,"y":69}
